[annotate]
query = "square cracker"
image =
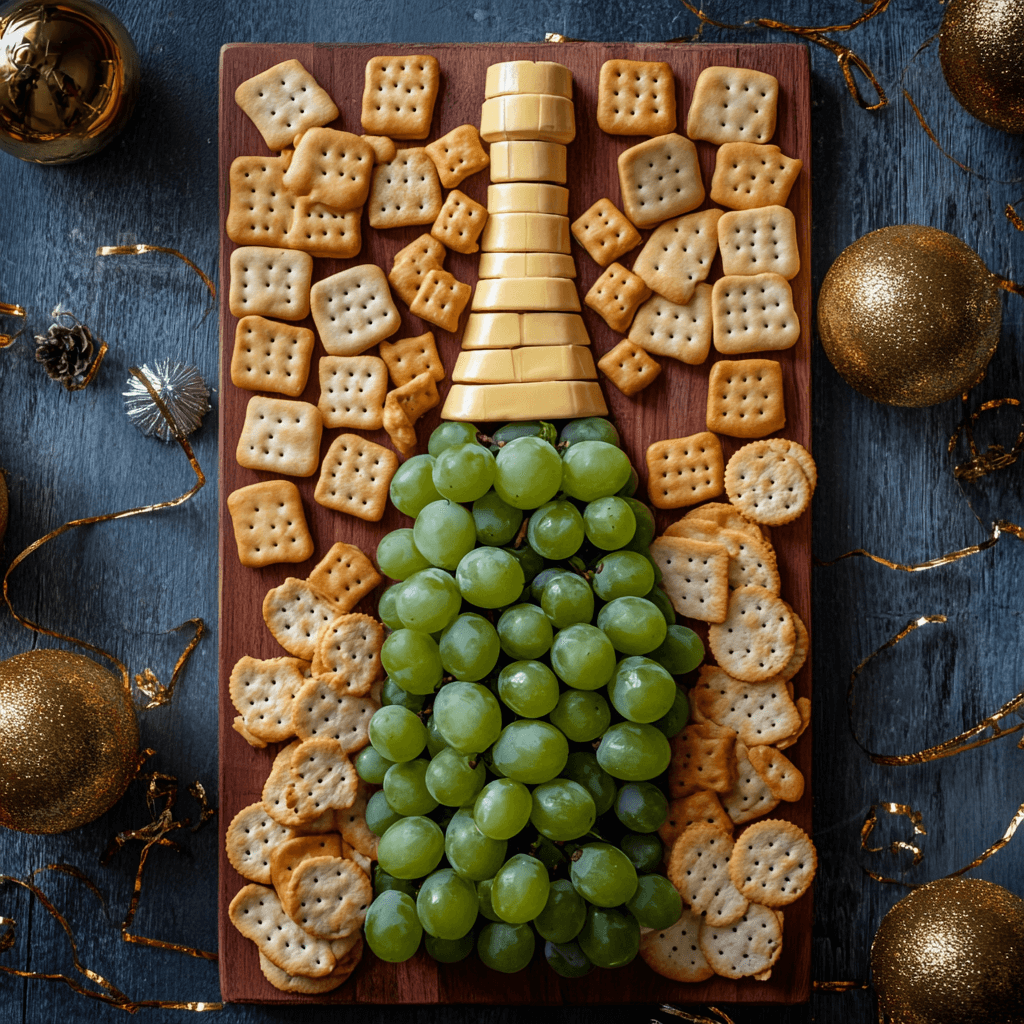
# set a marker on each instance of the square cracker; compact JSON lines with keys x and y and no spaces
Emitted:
{"x":660,"y":178}
{"x":605,"y":233}
{"x":745,"y":397}
{"x":331,"y":167}
{"x":703,"y":757}
{"x":703,"y":805}
{"x":759,"y":713}
{"x":411,"y":264}
{"x":695,"y":575}
{"x":749,"y":175}
{"x":260,"y":208}
{"x":760,"y":241}
{"x":348,"y":653}
{"x":415,"y":397}
{"x":323,"y":231}
{"x":269,"y":524}
{"x":345,"y":574}
{"x":458,"y":154}
{"x":399,"y":94}
{"x":678,"y":255}
{"x":327,"y":707}
{"x":636,"y":97}
{"x":409,"y":357}
{"x":616,"y":295}
{"x":355,"y":477}
{"x":270,"y":282}
{"x":460,"y":222}
{"x":269,"y":356}
{"x":405,"y":191}
{"x":440,"y":299}
{"x":353,"y":310}
{"x":753,"y":314}
{"x":280,"y":436}
{"x":683,"y":471}
{"x":263,"y":692}
{"x":667,"y":328}
{"x":733,"y":105}
{"x":352,"y":390}
{"x":295,"y":612}
{"x":285,"y":101}
{"x":629,"y":367}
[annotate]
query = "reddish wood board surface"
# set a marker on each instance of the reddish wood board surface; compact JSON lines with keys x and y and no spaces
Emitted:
{"x":673,"y":406}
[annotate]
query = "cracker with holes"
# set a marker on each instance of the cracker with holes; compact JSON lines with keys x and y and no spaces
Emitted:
{"x":793,"y":450}
{"x":745,"y":398}
{"x":345,"y":575}
{"x":440,"y":299}
{"x":702,"y":806}
{"x":263,"y":692}
{"x":769,"y":483}
{"x":295,"y":613}
{"x":352,"y":390}
{"x":353,"y":310}
{"x":636,"y":97}
{"x":409,"y":357}
{"x":695,"y":575}
{"x":780,"y":775}
{"x":748,"y":175}
{"x":269,"y":524}
{"x":355,"y":477}
{"x":260,"y":208}
{"x":709,"y":533}
{"x":280,"y":436}
{"x":267,"y":281}
{"x":748,"y":949}
{"x":458,"y":154}
{"x":674,"y":952}
{"x":269,"y":356}
{"x":411,"y":264}
{"x":285,"y":982}
{"x":629,"y":367}
{"x":404,"y":191}
{"x":733,"y":105}
{"x":238,"y":724}
{"x":755,"y":564}
{"x":348,"y":652}
{"x":678,"y":255}
{"x":759,"y":713}
{"x":682,"y":471}
{"x":352,"y":854}
{"x":803,"y":705}
{"x":331,"y":167}
{"x":352,"y":824}
{"x":802,"y":648}
{"x":659,"y":179}
{"x":759,"y":241}
{"x":751,"y":797}
{"x":616,"y":296}
{"x":727,"y":517}
{"x":460,"y":222}
{"x":703,"y":757}
{"x":321,"y":230}
{"x":774,"y":862}
{"x":399,"y":94}
{"x":754,"y":314}
{"x":384,"y":149}
{"x":604,"y":232}
{"x":681,"y":331}
{"x":276,"y":788}
{"x":288,"y":855}
{"x":327,"y":707}
{"x":251,"y":839}
{"x":323,"y":778}
{"x":416,"y":397}
{"x":284,"y":101}
{"x":756,"y":638}
{"x":328,"y":897}
{"x":699,"y":869}
{"x":398,"y":426}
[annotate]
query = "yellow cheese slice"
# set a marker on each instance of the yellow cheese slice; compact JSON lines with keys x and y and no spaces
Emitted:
{"x":527,"y":161}
{"x":543,"y":293}
{"x":527,"y":197}
{"x":512,"y":330}
{"x":552,"y":362}
{"x":515,"y":76}
{"x":532,"y":116}
{"x":546,"y":400}
{"x":525,"y":264}
{"x":525,"y":232}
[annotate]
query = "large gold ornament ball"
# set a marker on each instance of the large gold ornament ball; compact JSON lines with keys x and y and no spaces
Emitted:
{"x":909,"y":315}
{"x":69,"y":741}
{"x":952,"y":952}
{"x":69,"y":78}
{"x":981,"y":46}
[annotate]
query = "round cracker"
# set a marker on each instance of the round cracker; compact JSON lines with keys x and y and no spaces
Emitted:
{"x":286,"y":982}
{"x":755,"y":565}
{"x":325,"y":707}
{"x":251,"y":838}
{"x":757,"y":638}
{"x":767,"y":486}
{"x":699,"y":869}
{"x":774,"y":862}
{"x":328,"y":897}
{"x":726,"y":516}
{"x":800,"y":651}
{"x":275,"y":796}
{"x":785,"y":446}
{"x":748,"y":947}
{"x":675,"y":952}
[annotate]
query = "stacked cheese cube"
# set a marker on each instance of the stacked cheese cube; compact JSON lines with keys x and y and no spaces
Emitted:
{"x":525,"y":353}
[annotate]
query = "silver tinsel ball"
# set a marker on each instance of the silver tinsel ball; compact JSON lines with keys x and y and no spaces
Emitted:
{"x":180,"y":387}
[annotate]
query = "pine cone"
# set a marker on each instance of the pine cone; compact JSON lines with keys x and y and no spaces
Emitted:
{"x":65,"y":352}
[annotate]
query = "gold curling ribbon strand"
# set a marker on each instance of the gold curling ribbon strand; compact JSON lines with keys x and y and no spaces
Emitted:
{"x":996,"y":846}
{"x":147,"y":681}
{"x":138,"y":250}
{"x":693,"y":1018}
{"x":890,"y":807}
{"x":995,"y":456}
{"x":10,"y":309}
{"x":999,"y":527}
{"x":1014,"y":217}
{"x":838,"y":986}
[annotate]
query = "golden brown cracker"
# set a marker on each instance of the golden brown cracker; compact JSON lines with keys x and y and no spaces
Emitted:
{"x":331,"y":167}
{"x":269,"y":356}
{"x":284,"y":101}
{"x":774,"y":862}
{"x":636,"y":97}
{"x":355,"y":477}
{"x":604,"y":232}
{"x":679,"y":254}
{"x":458,"y":154}
{"x":399,"y":94}
{"x":440,"y":299}
{"x":682,"y":471}
{"x":745,"y":398}
{"x":269,"y":524}
{"x":695,"y":575}
{"x":629,"y":367}
{"x":409,"y":357}
{"x":280,"y":435}
{"x":760,"y":713}
{"x":733,"y":105}
{"x":748,"y":175}
{"x":345,"y":574}
{"x":348,"y":652}
{"x":352,"y":390}
{"x":404,"y":191}
{"x":660,"y":178}
{"x":757,"y":637}
{"x":699,"y":869}
{"x":616,"y":295}
{"x":768,"y":485}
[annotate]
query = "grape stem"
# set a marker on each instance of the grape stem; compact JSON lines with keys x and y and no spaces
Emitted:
{"x":487,"y":441}
{"x":521,"y":535}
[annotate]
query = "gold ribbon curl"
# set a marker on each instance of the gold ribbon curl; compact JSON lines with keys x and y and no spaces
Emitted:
{"x":9,"y":309}
{"x":138,"y":250}
{"x":995,"y":456}
{"x":696,"y":1018}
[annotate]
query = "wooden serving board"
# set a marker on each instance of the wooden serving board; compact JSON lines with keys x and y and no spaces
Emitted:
{"x":673,"y":406}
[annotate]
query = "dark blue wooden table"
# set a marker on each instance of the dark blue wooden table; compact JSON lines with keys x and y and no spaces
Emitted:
{"x":886,"y":481}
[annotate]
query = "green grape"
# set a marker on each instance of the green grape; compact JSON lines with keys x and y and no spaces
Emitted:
{"x":540,"y":581}
{"x":603,"y":874}
{"x":467,"y":715}
{"x":594,"y":469}
{"x":525,"y":632}
{"x":567,"y":959}
{"x":412,"y":660}
{"x":582,"y":715}
{"x":563,"y":914}
{"x":628,"y":489}
{"x":567,"y":599}
{"x":528,"y":559}
{"x":609,"y":523}
{"x":530,"y":751}
{"x":622,"y":574}
{"x":583,"y":656}
{"x":472,"y":854}
{"x":529,"y":688}
{"x":582,"y":767}
{"x":610,"y":938}
{"x":449,"y":951}
{"x":383,"y":882}
{"x":490,"y":577}
{"x":387,"y":611}
{"x":656,"y":903}
{"x":454,"y":779}
{"x":405,"y":787}
{"x":506,"y":947}
{"x":483,"y":895}
{"x":633,"y":752}
{"x":497,"y":522}
{"x":447,"y":905}
{"x":528,"y":428}
{"x":392,"y":693}
{"x":411,"y":848}
{"x":392,"y":929}
{"x":502,"y":808}
{"x":450,"y":434}
{"x":641,"y":690}
{"x":464,"y":472}
{"x":672,"y":723}
{"x":470,"y":647}
{"x":429,"y":600}
{"x":397,"y":734}
{"x":520,"y":889}
{"x":644,"y":851}
{"x":681,"y":652}
{"x":662,"y":602}
{"x":562,"y":810}
{"x":412,"y":486}
{"x":443,"y":532}
{"x":398,"y":557}
{"x":590,"y":428}
{"x":556,"y":530}
{"x":380,"y":815}
{"x":435,"y":741}
{"x":370,"y":766}
{"x":633,"y":624}
{"x":641,"y":806}
{"x":645,"y":526}
{"x":529,"y":472}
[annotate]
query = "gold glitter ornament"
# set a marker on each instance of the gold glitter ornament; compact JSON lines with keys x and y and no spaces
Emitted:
{"x":910,"y":315}
{"x":949,"y":952}
{"x":69,"y":741}
{"x":981,"y":44}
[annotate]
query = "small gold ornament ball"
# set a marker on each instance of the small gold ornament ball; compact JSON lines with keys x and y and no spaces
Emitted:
{"x":69,"y":741}
{"x":909,"y":315}
{"x":981,"y":47}
{"x":952,"y":952}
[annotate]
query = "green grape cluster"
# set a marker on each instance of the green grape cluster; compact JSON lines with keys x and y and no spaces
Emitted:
{"x":531,"y":695}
